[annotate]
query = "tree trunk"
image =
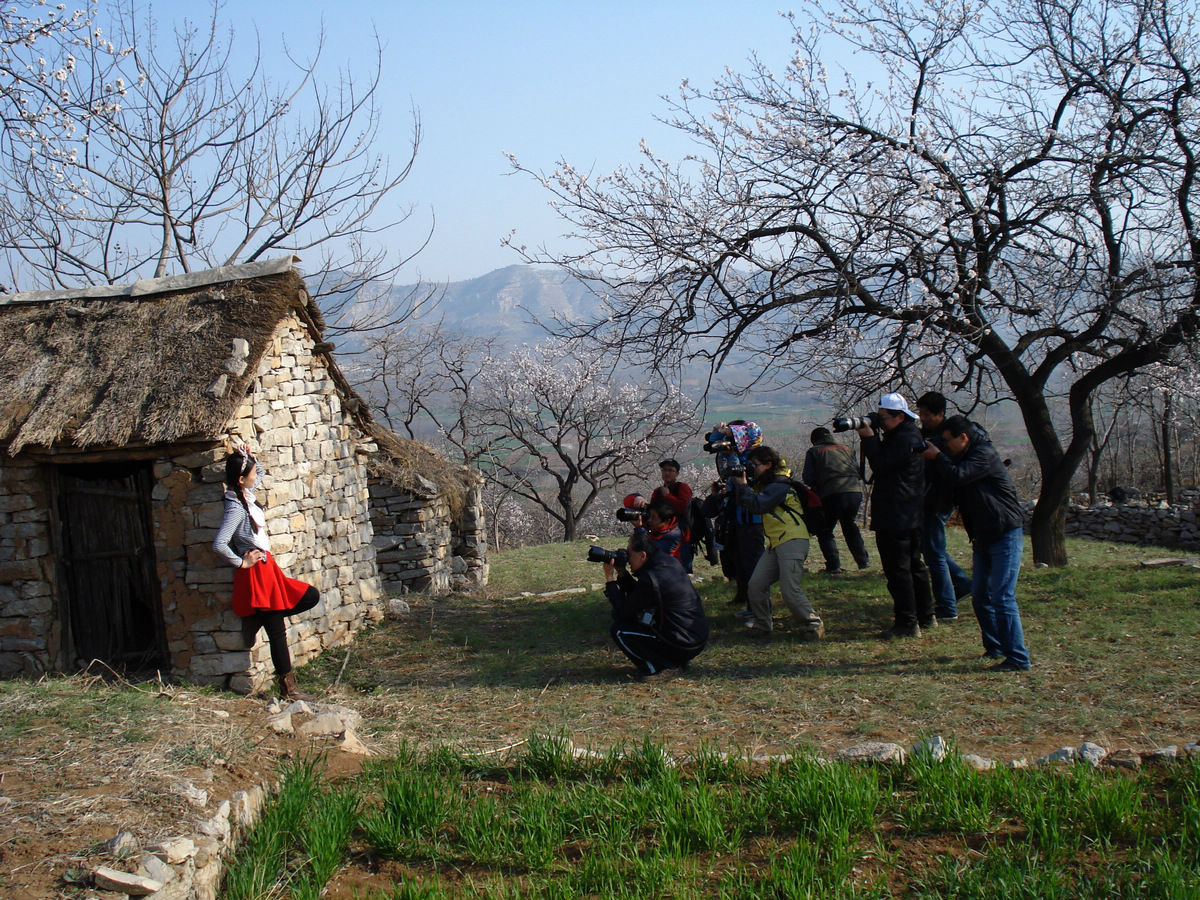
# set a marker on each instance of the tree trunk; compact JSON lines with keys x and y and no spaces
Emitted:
{"x":1168,"y":455}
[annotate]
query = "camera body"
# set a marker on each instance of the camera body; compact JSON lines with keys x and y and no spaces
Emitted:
{"x":624,"y":514}
{"x":853,"y":423}
{"x":717,"y":441}
{"x":600,"y":555}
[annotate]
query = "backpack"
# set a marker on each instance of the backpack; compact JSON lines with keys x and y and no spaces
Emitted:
{"x":814,"y":512}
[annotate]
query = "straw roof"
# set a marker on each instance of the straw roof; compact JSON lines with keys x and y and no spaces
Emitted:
{"x":109,"y":367}
{"x":115,"y":366}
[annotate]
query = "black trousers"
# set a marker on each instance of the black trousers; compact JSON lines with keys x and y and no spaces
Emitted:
{"x":275,"y":623}
{"x":842,"y":509}
{"x":646,"y":650}
{"x":907,"y":576}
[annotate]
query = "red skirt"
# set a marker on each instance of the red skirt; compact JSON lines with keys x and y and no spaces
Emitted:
{"x":264,"y":586}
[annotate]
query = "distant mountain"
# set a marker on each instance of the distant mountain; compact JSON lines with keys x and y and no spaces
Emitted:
{"x":508,"y":302}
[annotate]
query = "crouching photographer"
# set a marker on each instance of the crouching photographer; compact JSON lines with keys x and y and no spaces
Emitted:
{"x":658,"y":619}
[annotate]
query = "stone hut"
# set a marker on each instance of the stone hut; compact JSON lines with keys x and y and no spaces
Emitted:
{"x":118,"y":405}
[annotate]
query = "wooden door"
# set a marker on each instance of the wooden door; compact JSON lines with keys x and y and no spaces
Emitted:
{"x":112,"y":604}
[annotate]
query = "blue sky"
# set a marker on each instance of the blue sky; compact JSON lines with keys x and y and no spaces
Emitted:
{"x":542,"y":80}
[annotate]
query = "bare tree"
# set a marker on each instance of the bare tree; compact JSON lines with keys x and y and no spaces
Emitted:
{"x":559,"y":429}
{"x":1011,"y":192}
{"x":177,"y":151}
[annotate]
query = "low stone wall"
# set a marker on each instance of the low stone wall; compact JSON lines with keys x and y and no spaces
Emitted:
{"x":1156,"y":525}
{"x":418,"y":545}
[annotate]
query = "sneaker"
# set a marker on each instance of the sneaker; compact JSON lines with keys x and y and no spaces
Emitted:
{"x":992,"y":654}
{"x":942,"y":617}
{"x":743,"y":614}
{"x":930,"y":623}
{"x":662,"y":675}
{"x":813,"y":634}
{"x":754,"y":630}
{"x":838,"y":571}
{"x":864,"y":565}
{"x":902,"y":631}
{"x":1009,"y":666}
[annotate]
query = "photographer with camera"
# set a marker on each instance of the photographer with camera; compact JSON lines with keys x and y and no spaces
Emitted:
{"x":739,"y":531}
{"x":663,"y":527}
{"x":679,"y":495}
{"x":992,"y":515}
{"x":898,"y":511}
{"x":831,"y":469}
{"x":775,"y":499}
{"x":658,"y":619}
{"x":948,"y":581}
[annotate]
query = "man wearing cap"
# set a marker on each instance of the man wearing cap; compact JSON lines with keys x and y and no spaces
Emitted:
{"x":898,"y":511}
{"x":679,"y":495}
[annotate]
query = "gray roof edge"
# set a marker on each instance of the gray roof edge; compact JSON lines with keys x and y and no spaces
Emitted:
{"x":146,"y":286}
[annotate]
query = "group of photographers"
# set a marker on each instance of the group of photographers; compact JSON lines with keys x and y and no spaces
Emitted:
{"x":762,"y":526}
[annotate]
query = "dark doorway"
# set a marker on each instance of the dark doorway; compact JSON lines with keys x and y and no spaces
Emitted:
{"x":111,"y":603}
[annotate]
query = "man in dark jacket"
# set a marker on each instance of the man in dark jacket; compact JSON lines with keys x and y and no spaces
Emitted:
{"x":992,"y":515}
{"x":947,"y":579}
{"x":897,"y":513}
{"x":830,"y":469}
{"x":658,"y":619}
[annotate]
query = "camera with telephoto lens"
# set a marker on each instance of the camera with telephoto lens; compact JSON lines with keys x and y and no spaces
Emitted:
{"x":853,"y":423}
{"x":717,"y":441}
{"x":625,"y":514}
{"x":600,"y":555}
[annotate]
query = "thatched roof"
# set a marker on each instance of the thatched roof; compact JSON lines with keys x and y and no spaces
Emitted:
{"x":109,"y":367}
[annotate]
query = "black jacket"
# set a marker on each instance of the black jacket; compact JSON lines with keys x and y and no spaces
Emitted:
{"x":983,"y":490}
{"x":939,"y":496}
{"x":662,"y":588}
{"x":831,"y":468}
{"x":898,"y":497}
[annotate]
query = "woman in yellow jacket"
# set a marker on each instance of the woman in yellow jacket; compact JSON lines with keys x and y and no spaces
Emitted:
{"x":773,"y":497}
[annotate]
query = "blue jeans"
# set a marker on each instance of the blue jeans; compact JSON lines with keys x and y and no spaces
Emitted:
{"x":994,"y":593}
{"x":946,"y":577}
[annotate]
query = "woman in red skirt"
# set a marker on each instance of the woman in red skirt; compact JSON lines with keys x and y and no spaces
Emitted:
{"x":262,"y":595}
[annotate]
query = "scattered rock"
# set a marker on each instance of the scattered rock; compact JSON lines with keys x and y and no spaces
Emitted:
{"x":398,"y":608}
{"x":872,"y":751}
{"x":121,"y":846}
{"x":350,"y":743}
{"x":197,"y":797}
{"x":1091,"y":753}
{"x":1124,"y":759}
{"x":978,"y":763}
{"x":123,"y":882}
{"x":174,"y":850}
{"x":150,"y":866}
{"x":1062,"y":754}
{"x":935,"y":748}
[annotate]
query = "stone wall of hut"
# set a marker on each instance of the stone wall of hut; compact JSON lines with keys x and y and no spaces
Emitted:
{"x":30,"y":632}
{"x":316,"y":498}
{"x":421,"y":547}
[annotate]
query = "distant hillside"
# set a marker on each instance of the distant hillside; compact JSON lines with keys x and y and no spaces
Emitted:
{"x":508,"y":302}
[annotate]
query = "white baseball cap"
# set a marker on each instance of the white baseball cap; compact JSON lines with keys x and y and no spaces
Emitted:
{"x":896,"y":403}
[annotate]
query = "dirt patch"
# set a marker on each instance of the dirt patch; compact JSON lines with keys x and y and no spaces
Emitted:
{"x":81,"y":760}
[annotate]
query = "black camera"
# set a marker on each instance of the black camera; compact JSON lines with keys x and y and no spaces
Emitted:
{"x":600,"y":555}
{"x":735,"y":469}
{"x":624,"y":514}
{"x":717,"y":441}
{"x":853,"y":423}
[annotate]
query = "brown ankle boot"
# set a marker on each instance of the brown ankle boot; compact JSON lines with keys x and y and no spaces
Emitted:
{"x":288,"y":689}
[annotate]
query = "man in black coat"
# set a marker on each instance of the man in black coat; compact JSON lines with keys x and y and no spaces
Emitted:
{"x":898,"y":512}
{"x":658,"y":619}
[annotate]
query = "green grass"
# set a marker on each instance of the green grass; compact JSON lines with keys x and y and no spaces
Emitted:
{"x":1113,"y":645}
{"x":632,"y":824}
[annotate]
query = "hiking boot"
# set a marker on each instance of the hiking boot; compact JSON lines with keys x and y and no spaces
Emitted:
{"x":813,"y":633}
{"x":288,"y":689}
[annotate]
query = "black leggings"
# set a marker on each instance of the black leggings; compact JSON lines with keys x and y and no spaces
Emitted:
{"x":273,"y":620}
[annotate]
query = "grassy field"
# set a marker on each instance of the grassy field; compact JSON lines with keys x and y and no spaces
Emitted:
{"x":1113,"y":643}
{"x":715,"y":785}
